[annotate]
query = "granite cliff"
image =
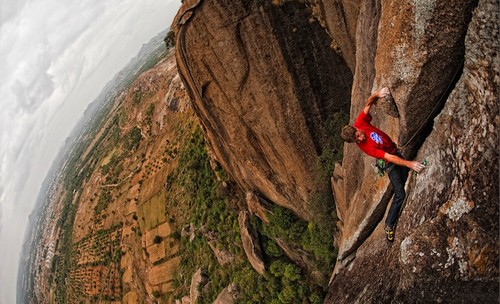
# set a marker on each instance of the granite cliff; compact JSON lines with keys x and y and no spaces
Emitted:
{"x":263,"y":80}
{"x":265,"y":77}
{"x":447,"y":248}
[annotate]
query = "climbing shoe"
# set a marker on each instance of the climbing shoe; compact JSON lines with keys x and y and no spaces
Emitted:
{"x":389,"y":233}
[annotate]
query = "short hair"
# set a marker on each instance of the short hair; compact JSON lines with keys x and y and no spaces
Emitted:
{"x":348,"y":134}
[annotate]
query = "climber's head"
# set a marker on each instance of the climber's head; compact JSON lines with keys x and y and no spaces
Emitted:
{"x":351,"y":135}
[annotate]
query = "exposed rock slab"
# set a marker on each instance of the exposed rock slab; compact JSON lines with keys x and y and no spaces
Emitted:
{"x":228,"y":295}
{"x":446,"y":247}
{"x":340,"y":18}
{"x":223,"y":256}
{"x":197,"y":281}
{"x":251,"y":243}
{"x":417,"y":49}
{"x":257,"y":206}
{"x":263,"y":80}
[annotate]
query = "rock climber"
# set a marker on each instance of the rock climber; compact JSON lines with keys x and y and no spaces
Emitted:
{"x":377,"y":144}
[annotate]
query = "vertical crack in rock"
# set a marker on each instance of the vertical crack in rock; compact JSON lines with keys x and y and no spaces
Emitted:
{"x":448,"y":231}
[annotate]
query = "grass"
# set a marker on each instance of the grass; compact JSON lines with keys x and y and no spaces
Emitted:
{"x":152,"y":213}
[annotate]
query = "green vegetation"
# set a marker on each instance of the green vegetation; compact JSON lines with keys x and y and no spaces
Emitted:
{"x":113,"y":164}
{"x":170,"y":39}
{"x":152,"y":212}
{"x":194,"y":183}
{"x":333,"y":151}
{"x":149,"y":113}
{"x":132,"y":139}
{"x":309,"y":236}
{"x":157,"y":239}
{"x":104,"y":200}
{"x":321,"y":204}
{"x":156,"y":294}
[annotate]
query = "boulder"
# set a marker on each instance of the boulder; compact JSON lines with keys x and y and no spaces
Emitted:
{"x":224,"y":257}
{"x":257,"y":206}
{"x":251,"y":242}
{"x":228,"y":295}
{"x":197,"y":282}
{"x":188,"y":231}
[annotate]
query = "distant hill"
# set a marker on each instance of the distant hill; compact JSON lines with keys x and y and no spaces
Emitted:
{"x":76,"y":144}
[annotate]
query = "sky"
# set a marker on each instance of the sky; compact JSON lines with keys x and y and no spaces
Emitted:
{"x":55,"y":58}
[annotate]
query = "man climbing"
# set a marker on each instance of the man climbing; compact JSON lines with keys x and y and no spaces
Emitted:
{"x":377,"y":144}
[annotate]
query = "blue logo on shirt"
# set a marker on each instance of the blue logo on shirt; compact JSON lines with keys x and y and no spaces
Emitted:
{"x":376,"y":138}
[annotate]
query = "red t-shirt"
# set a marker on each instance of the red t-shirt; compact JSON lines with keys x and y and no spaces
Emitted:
{"x":377,"y":143}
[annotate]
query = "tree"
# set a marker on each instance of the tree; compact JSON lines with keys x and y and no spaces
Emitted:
{"x":170,"y":39}
{"x":133,"y":138}
{"x":157,"y":239}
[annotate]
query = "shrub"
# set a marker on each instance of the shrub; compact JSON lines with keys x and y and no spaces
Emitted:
{"x":157,"y":239}
{"x":133,"y":139}
{"x":170,"y":38}
{"x":156,"y":294}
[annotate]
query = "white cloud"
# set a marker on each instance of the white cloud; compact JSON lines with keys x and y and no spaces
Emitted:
{"x":55,"y":57}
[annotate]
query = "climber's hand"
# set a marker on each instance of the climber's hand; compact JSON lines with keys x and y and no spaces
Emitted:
{"x":416,"y":166}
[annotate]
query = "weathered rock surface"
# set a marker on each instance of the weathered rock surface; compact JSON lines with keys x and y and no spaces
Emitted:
{"x":184,"y":300}
{"x":251,"y":243}
{"x":263,"y":80}
{"x":257,"y":206}
{"x":227,"y":295}
{"x":197,"y":281}
{"x":419,"y":50}
{"x":340,"y":18}
{"x":189,"y":232}
{"x":446,"y":247}
{"x":224,"y":257}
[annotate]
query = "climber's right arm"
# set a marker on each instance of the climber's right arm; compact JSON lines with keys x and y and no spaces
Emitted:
{"x":374,"y":97}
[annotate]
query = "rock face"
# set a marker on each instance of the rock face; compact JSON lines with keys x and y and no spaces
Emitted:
{"x":263,"y":79}
{"x":446,"y":247}
{"x":257,"y":206}
{"x":340,"y":19}
{"x":197,"y":281}
{"x":251,"y":243}
{"x":418,"y":51}
{"x":224,"y":257}
{"x":227,"y":295}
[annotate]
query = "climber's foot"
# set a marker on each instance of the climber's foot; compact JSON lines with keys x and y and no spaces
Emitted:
{"x":389,"y":233}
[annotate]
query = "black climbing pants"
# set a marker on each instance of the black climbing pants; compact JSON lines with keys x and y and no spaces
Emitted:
{"x":397,"y":176}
